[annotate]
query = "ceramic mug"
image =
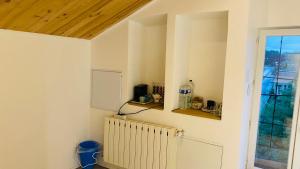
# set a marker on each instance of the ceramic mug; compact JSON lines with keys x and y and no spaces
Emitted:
{"x":142,"y":99}
{"x":211,"y":104}
{"x":156,"y":98}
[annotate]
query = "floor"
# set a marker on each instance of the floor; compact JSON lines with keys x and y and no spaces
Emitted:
{"x":97,"y":167}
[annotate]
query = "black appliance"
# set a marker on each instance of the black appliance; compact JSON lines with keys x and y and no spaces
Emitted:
{"x":140,"y":90}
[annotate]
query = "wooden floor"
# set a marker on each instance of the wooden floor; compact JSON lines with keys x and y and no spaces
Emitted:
{"x":97,"y":167}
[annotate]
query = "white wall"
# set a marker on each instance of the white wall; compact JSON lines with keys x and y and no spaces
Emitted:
{"x":108,"y":53}
{"x":154,"y":54}
{"x":112,"y":45}
{"x":283,"y":13}
{"x":257,"y":19}
{"x":44,"y":100}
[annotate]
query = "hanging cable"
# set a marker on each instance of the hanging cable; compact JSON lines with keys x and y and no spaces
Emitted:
{"x":124,"y":114}
{"x":119,"y":111}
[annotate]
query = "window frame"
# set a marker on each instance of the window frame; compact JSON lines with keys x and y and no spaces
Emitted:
{"x":260,"y":58}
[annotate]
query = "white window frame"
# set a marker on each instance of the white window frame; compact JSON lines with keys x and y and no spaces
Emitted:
{"x":257,"y":94}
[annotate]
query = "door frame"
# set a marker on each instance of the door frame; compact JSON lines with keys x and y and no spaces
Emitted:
{"x":260,"y":58}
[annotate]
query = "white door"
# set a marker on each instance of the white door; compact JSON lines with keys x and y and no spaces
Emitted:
{"x":273,"y":141}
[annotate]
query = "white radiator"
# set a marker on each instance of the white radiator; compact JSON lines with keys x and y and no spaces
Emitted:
{"x":138,"y":145}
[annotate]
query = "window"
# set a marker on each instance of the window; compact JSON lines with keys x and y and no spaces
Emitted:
{"x":279,"y":83}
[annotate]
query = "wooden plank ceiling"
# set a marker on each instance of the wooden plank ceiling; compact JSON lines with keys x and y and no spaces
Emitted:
{"x":72,"y":18}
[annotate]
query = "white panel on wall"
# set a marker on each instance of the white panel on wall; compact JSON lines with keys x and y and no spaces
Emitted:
{"x":197,"y":154}
{"x":106,"y":89}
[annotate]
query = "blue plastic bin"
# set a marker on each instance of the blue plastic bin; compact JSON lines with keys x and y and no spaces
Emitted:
{"x":88,"y":152}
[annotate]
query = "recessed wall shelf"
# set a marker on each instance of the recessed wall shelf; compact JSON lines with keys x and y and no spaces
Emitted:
{"x":198,"y":113}
{"x":158,"y":106}
{"x":147,"y":52}
{"x":200,"y":54}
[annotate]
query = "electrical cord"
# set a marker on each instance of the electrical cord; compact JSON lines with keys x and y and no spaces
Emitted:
{"x":119,"y":111}
{"x":124,"y":114}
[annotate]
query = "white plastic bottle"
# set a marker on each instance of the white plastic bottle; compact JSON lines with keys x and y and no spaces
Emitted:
{"x":182,"y":97}
{"x":189,"y":95}
{"x":185,"y":95}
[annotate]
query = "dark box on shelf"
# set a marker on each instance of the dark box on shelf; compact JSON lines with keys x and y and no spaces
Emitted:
{"x":140,"y":90}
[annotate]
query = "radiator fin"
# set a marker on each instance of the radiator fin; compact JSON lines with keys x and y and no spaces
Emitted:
{"x":163,"y":149}
{"x":138,"y":148}
{"x":106,"y":137}
{"x":156,"y":152}
{"x":121,"y":143}
{"x":127,"y":145}
{"x":116,"y":141}
{"x":144,"y":147}
{"x":132,"y":146}
{"x":111,"y":141}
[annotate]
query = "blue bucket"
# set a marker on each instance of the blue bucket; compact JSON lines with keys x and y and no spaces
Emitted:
{"x":88,"y":152}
